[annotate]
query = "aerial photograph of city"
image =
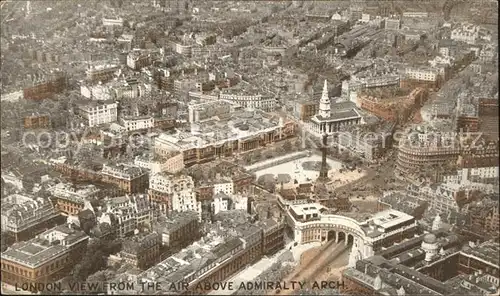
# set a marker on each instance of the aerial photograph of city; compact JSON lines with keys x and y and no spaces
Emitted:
{"x":202,"y":147}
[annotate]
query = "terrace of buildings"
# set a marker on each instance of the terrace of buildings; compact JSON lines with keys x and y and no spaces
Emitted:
{"x":487,"y":252}
{"x":196,"y":259}
{"x":174,"y":221}
{"x":45,"y":247}
{"x":240,"y":125}
{"x":123,"y":171}
{"x":385,"y":276}
{"x":73,"y":193}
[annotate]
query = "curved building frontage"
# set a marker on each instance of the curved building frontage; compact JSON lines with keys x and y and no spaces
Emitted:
{"x":414,"y":158}
{"x":311,"y":223}
{"x":411,"y":158}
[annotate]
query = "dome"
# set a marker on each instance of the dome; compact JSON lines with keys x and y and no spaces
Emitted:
{"x":430,"y":238}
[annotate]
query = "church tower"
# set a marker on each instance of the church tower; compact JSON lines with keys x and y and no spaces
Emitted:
{"x":324,"y":103}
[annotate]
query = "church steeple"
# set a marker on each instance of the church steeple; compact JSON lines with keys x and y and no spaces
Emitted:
{"x":324,"y":103}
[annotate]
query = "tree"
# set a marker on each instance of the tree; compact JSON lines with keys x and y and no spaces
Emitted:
{"x":197,"y":174}
{"x":257,"y":155}
{"x":287,"y":146}
{"x":95,"y":258}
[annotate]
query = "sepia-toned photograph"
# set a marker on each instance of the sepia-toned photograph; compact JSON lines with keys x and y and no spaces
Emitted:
{"x":202,"y":147}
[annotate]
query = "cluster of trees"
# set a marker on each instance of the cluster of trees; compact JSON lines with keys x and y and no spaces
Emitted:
{"x":236,"y":28}
{"x":267,"y":181}
{"x":95,"y":258}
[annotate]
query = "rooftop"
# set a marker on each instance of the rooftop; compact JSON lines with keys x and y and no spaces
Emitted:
{"x":487,"y":252}
{"x":44,"y":247}
{"x":242,"y":124}
{"x":176,"y":221}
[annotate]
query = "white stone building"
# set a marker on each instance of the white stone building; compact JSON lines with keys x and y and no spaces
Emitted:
{"x":465,"y":33}
{"x":127,"y":213}
{"x":97,"y":113}
{"x":225,"y":187}
{"x":221,"y":203}
{"x":180,"y":189}
{"x":172,"y":162}
{"x":330,"y":121}
{"x":422,"y":73}
{"x":257,"y":101}
{"x":135,"y":123}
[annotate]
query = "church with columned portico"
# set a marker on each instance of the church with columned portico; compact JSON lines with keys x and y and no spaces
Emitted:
{"x":332,"y":116}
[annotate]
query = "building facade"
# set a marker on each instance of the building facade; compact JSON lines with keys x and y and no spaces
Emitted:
{"x":44,"y":259}
{"x":23,"y":217}
{"x":99,"y":113}
{"x":250,"y":101}
{"x":128,"y":213}
{"x":131,"y":179}
{"x":45,"y":87}
{"x":137,"y":123}
{"x":368,"y":236}
{"x":305,"y":110}
{"x":101,"y":73}
{"x":331,"y":121}
{"x":170,"y":162}
{"x":142,"y":251}
{"x":36,"y":121}
{"x":173,"y":193}
{"x":137,"y":60}
{"x":69,"y":200}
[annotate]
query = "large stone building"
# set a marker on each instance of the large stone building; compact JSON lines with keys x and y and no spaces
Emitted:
{"x":44,"y":259}
{"x":99,"y":112}
{"x":396,"y":108}
{"x":311,"y":223}
{"x":130,"y":179}
{"x":137,"y":60}
{"x":142,"y":250}
{"x":177,"y":230}
{"x":161,"y":162}
{"x":216,"y":257}
{"x":435,"y":263}
{"x":220,"y":136}
{"x":306,"y":109}
{"x":101,"y":73}
{"x":70,"y":200}
{"x":23,"y":217}
{"x":173,"y":193}
{"x":45,"y":86}
{"x":484,"y":217}
{"x":371,"y":143}
{"x":423,"y":149}
{"x":330,"y":121}
{"x":127,"y":213}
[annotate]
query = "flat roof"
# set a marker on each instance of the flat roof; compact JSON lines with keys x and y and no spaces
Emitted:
{"x":305,"y":209}
{"x":44,"y":247}
{"x":488,"y":252}
{"x":389,"y":218}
